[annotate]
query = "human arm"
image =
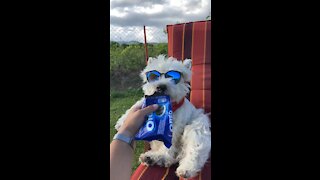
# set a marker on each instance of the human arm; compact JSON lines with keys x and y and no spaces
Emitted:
{"x":121,"y":153}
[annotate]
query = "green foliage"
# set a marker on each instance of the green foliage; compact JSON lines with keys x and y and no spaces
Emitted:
{"x":124,"y":58}
{"x":126,"y":62}
{"x":155,"y":50}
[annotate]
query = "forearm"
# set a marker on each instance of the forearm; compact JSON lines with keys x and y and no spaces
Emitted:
{"x":121,"y":152}
{"x":121,"y":157}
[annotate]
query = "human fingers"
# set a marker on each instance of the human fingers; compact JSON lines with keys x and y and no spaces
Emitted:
{"x":136,"y":106}
{"x":147,"y":110}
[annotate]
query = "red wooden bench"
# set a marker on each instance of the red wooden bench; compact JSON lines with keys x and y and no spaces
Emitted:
{"x":187,"y":40}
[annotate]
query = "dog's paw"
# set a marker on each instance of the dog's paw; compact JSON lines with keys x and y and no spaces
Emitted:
{"x":152,"y":159}
{"x":186,"y":172}
{"x":147,"y":160}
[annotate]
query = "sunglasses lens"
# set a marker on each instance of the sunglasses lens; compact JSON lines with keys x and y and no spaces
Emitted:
{"x":153,"y":76}
{"x":174,"y":75}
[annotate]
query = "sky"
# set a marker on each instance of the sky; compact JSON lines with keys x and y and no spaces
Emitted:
{"x":127,"y":17}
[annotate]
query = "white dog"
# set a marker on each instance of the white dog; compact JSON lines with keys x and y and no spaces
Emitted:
{"x":191,"y":136}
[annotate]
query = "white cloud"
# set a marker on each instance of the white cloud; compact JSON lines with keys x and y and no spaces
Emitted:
{"x":155,"y":14}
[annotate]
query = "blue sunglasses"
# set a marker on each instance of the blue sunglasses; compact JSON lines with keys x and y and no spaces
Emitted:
{"x":155,"y":75}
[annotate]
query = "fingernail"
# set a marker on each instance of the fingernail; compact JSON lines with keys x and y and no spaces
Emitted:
{"x":155,"y":105}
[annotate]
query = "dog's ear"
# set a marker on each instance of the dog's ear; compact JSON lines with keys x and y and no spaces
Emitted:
{"x":150,"y":60}
{"x":187,"y":63}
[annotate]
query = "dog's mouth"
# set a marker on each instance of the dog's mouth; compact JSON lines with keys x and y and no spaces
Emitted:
{"x":158,"y":93}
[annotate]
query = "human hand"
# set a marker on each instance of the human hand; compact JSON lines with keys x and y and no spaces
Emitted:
{"x":135,"y":119}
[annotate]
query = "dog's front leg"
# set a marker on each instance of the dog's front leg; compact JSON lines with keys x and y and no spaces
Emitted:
{"x":196,"y":141}
{"x":158,"y":155}
{"x":162,"y":156}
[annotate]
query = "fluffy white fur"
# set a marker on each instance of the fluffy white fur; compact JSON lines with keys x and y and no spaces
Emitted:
{"x":191,"y":140}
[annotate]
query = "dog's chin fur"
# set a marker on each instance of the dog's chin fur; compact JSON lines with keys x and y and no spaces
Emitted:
{"x":191,"y":136}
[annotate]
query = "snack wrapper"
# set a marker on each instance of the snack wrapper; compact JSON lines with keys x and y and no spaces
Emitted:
{"x":158,"y":124}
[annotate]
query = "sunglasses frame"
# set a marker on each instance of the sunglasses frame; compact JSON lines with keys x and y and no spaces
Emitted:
{"x":164,"y":75}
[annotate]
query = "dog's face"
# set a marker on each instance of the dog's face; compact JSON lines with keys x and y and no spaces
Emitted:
{"x":168,"y":76}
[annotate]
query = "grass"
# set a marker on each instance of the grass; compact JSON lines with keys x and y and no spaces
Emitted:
{"x":120,"y":101}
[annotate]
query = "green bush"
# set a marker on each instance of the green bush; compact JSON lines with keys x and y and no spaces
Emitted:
{"x":126,"y":62}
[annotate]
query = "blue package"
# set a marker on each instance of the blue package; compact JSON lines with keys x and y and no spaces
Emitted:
{"x":158,"y":125}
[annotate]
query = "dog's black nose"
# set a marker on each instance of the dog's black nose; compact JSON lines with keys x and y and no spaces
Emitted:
{"x":161,"y":88}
